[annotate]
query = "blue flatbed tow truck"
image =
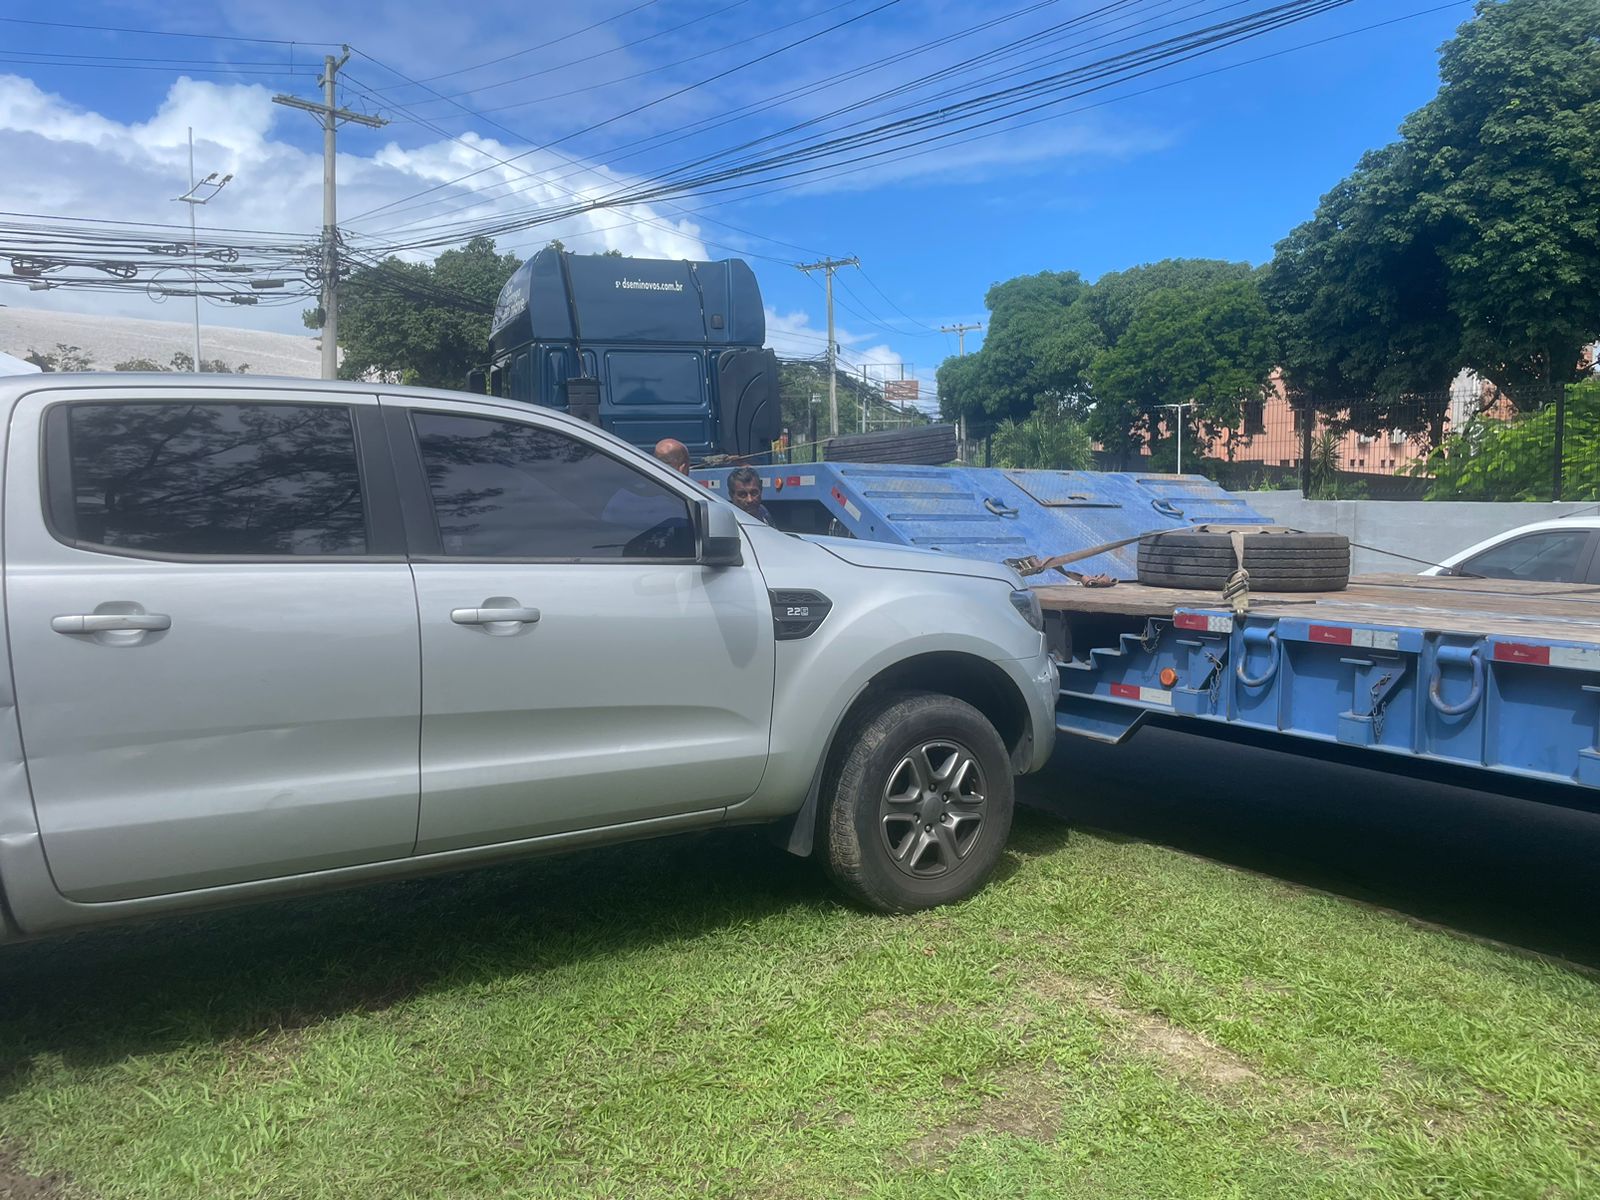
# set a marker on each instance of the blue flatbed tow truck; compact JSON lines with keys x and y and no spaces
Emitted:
{"x":1439,"y":673}
{"x":1495,"y":675}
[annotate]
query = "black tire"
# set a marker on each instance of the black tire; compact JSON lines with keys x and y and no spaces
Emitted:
{"x":1263,"y":554}
{"x":872,"y":846}
{"x":1259,"y":582}
{"x":1277,"y":562}
{"x":1289,"y":542}
{"x":921,"y":445}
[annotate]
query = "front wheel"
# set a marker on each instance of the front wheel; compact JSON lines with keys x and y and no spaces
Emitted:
{"x":920,"y":804}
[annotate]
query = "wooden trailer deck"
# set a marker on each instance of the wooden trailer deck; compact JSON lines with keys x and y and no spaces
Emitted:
{"x":1568,"y":612}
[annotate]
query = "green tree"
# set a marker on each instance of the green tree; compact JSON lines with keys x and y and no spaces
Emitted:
{"x":1107,"y":309}
{"x":62,"y":358}
{"x":420,"y":323}
{"x":1209,"y":343}
{"x":1022,"y":363}
{"x":181,"y":361}
{"x":1473,"y":241}
{"x":1046,"y":333}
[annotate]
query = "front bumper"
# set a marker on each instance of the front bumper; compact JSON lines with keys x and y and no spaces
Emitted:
{"x":1041,"y":684}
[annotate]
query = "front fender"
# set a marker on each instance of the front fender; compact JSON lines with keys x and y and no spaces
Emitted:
{"x":879,"y":622}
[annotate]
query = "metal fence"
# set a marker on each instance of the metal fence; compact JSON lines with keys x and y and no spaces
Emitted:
{"x":1469,"y":443}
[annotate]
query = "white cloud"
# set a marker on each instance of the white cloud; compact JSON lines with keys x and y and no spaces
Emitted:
{"x":62,"y":160}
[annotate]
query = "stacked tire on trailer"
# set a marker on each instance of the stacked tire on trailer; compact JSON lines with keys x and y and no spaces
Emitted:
{"x":1279,"y":560}
{"x":921,"y":445}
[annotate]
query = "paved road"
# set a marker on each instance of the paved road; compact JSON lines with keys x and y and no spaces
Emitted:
{"x":1511,"y":869}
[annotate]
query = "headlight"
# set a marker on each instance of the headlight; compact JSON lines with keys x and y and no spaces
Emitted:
{"x":1026,"y":602}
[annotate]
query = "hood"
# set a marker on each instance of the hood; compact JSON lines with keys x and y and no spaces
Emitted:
{"x":885,"y":557}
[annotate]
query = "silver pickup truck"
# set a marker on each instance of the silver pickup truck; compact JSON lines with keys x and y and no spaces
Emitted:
{"x":269,"y":636}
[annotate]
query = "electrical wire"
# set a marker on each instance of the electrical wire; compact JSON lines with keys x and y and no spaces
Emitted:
{"x":588,"y":60}
{"x":809,"y":88}
{"x":556,"y":41}
{"x":929,"y":127}
{"x":885,"y":4}
{"x":216,"y":37}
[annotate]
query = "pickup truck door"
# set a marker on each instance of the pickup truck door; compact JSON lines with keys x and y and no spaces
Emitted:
{"x":579,"y":668}
{"x":214,"y":635}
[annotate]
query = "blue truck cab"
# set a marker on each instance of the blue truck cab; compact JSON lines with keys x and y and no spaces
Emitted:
{"x":646,"y":348}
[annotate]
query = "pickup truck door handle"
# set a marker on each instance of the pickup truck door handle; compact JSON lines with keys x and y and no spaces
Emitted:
{"x":110,"y":622}
{"x":494,"y":616}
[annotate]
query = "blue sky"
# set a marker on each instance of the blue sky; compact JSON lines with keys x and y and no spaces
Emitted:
{"x":1217,"y":166}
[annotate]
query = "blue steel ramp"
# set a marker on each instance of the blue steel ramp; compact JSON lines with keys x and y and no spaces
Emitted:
{"x":991,"y":513}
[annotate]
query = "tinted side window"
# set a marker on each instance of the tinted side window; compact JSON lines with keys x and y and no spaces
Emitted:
{"x":638,"y":377}
{"x":1552,"y":556}
{"x":229,"y":479}
{"x":502,"y":489}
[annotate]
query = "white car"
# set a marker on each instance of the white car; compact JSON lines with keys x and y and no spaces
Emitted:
{"x":1566,"y":550}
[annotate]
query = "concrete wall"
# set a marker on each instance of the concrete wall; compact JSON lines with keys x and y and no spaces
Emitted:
{"x":1421,"y":529}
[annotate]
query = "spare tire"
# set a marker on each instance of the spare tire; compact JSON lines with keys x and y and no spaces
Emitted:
{"x":1278,"y":560}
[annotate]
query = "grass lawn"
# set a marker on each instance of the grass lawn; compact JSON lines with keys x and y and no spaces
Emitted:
{"x":701,"y":1017}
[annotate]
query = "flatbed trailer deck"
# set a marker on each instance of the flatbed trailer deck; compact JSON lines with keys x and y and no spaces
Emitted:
{"x":1496,"y":675}
{"x":1499,"y":675}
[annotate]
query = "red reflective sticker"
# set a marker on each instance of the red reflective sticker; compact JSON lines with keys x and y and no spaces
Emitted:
{"x":1191,"y":621}
{"x":1332,"y":634}
{"x":793,"y":481}
{"x":1127,"y":691}
{"x":1516,"y":652}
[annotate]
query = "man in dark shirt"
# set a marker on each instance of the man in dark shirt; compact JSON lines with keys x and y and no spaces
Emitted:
{"x":744,"y":489}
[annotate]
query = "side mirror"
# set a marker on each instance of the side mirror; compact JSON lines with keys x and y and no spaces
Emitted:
{"x":477,"y":381}
{"x":721,"y":544}
{"x":582,"y":398}
{"x":497,"y":380}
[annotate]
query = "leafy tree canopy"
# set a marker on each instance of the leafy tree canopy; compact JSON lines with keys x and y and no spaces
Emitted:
{"x":62,"y":358}
{"x":1111,"y":352}
{"x":181,"y":361}
{"x":1210,"y":345}
{"x":421,"y":323}
{"x":1473,"y":241}
{"x":1022,"y":362}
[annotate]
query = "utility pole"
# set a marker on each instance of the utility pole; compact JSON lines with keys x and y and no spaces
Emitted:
{"x":331,"y":114}
{"x":1179,"y":423}
{"x":960,"y":331}
{"x":829,"y":266}
{"x":961,"y":334}
{"x":193,"y":198}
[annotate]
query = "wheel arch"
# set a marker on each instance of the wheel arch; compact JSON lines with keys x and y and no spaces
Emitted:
{"x":967,"y":677}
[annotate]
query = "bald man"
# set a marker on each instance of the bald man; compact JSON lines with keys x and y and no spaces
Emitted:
{"x":674,"y":453}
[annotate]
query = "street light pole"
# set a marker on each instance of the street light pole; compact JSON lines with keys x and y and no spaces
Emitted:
{"x":1179,"y":423}
{"x":192,"y":198}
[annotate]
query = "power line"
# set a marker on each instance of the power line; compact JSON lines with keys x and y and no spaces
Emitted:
{"x":769,"y":102}
{"x":589,"y":59}
{"x":215,"y":37}
{"x":928,"y":127}
{"x":663,"y":187}
{"x":276,"y":73}
{"x":536,"y":46}
{"x":658,"y":100}
{"x":1093,"y":77}
{"x":508,"y":163}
